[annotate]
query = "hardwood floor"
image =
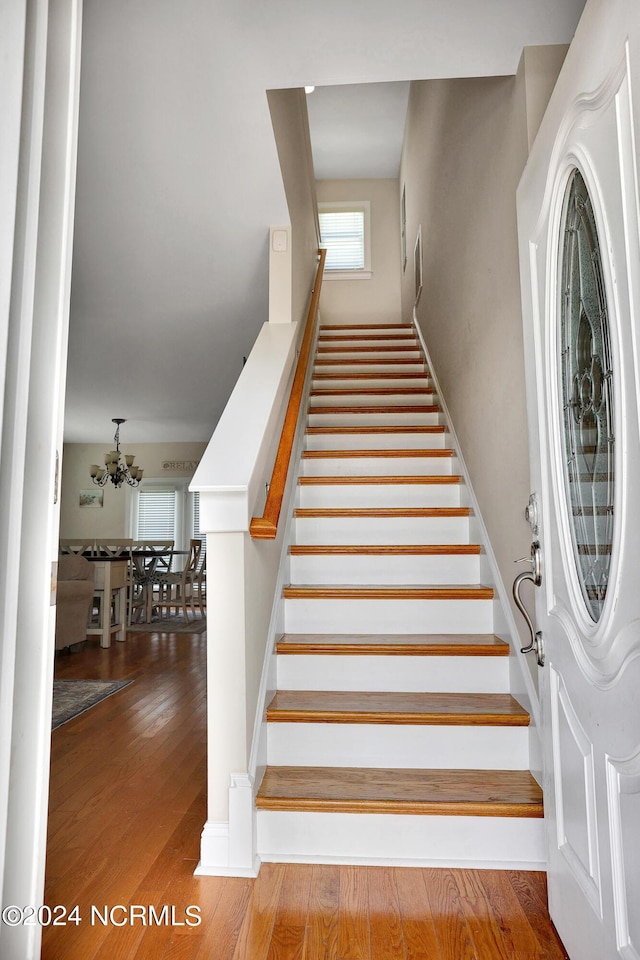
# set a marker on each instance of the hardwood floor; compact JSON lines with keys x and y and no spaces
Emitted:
{"x":127,"y":806}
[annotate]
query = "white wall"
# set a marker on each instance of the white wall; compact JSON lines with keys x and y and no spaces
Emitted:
{"x":110,"y":520}
{"x":376,"y":300}
{"x":466,"y":144}
{"x":291,"y":130}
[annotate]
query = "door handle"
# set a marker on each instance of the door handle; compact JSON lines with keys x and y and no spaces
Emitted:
{"x":535,"y":576}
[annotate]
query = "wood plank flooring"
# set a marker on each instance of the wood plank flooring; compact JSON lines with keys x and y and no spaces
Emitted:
{"x":127,"y":806}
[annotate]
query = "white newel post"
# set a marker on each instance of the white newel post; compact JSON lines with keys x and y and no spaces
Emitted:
{"x":230,"y":480}
{"x":226,"y":842}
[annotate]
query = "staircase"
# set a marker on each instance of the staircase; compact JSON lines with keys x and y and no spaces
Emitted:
{"x":392,"y":736}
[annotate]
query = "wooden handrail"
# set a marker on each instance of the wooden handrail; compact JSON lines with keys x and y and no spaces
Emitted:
{"x":266,"y":526}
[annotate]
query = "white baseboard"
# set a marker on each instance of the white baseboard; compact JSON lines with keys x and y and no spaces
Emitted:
{"x":227,"y":847}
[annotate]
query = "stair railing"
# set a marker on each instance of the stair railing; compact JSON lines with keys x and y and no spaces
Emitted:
{"x":266,"y":526}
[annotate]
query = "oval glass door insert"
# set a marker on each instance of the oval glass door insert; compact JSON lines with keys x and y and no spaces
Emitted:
{"x":587,"y":396}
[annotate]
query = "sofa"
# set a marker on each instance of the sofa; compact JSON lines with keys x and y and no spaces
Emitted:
{"x":74,"y":597}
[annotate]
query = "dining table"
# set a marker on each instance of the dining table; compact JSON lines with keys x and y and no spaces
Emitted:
{"x":112,"y":580}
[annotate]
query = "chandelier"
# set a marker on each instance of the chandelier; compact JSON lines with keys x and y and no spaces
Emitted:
{"x":119,"y":467}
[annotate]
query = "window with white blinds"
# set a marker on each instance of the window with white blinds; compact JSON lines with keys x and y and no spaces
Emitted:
{"x":344,"y":231}
{"x":165,"y":511}
{"x":157,"y":514}
{"x":196,"y":532}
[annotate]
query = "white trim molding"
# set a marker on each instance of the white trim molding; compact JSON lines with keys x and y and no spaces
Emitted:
{"x":227,"y":846}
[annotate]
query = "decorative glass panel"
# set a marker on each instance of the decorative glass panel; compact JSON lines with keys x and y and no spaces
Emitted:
{"x":587,"y":396}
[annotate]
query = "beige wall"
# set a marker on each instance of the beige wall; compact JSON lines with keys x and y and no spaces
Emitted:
{"x":291,"y":130}
{"x":466,"y":144}
{"x":111,"y":519}
{"x":376,"y":300}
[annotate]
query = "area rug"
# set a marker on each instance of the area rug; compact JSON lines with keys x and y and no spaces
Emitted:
{"x":170,"y":625}
{"x":73,"y":697}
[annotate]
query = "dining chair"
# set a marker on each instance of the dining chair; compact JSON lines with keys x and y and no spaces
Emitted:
{"x":175,"y":590}
{"x":197,"y":589}
{"x":114,"y":546}
{"x":77,"y":545}
{"x":152,"y":560}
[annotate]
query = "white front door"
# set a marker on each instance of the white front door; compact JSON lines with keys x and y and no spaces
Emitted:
{"x":580,"y":259}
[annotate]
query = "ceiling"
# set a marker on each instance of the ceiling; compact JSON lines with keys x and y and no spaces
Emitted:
{"x":179,"y":180}
{"x":357,"y":129}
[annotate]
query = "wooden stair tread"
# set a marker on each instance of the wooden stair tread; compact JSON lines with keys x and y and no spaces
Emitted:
{"x":366,"y":326}
{"x":356,"y":361}
{"x":399,"y":644}
{"x":498,"y":793}
{"x":384,"y":550}
{"x":328,"y":591}
{"x":404,"y":408}
{"x":405,"y":479}
{"x":377,"y":348}
{"x":385,"y":429}
{"x":408,"y":452}
{"x":371,"y":376}
{"x":400,"y":335}
{"x":424,"y":709}
{"x":390,"y":512}
{"x":371,"y":391}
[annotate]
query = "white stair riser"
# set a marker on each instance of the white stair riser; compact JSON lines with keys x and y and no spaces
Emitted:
{"x":417,"y":366}
{"x":498,"y":842}
{"x":368,"y":399}
{"x":375,"y":419}
{"x":378,"y":466}
{"x":388,"y":616}
{"x":380,"y":495}
{"x":397,"y":746}
{"x":394,"y":673}
{"x":385,"y":569}
{"x":384,"y":383}
{"x":381,"y":530}
{"x":376,"y":441}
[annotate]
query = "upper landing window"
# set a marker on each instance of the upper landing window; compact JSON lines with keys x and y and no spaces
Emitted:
{"x":345,"y":232}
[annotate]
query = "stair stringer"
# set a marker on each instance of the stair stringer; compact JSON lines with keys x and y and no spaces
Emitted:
{"x":522,"y":687}
{"x":243,"y":788}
